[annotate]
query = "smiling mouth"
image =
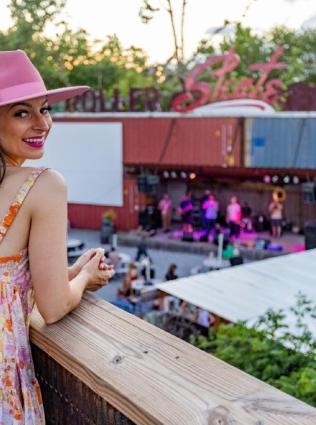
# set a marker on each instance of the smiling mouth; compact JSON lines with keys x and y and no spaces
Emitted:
{"x":35,"y":142}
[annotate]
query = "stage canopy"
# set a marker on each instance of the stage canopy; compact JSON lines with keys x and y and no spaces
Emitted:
{"x":245,"y":292}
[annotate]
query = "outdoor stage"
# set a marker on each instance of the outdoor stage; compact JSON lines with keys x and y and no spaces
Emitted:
{"x":172,"y":241}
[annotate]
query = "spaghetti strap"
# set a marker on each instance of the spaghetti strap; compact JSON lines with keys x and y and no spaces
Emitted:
{"x":19,"y":198}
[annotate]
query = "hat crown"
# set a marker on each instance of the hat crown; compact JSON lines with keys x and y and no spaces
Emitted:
{"x":20,"y":81}
{"x":16,"y":69}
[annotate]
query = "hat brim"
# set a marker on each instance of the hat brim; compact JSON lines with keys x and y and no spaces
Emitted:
{"x":53,"y":96}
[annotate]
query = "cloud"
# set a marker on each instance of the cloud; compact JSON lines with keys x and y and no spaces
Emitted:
{"x":310,"y":22}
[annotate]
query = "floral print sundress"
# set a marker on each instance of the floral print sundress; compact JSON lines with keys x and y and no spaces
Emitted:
{"x":20,"y":395}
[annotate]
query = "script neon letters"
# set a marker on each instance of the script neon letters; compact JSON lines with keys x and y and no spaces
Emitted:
{"x":198,"y":93}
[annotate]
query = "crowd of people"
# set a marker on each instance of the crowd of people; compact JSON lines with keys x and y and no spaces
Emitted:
{"x":205,"y":214}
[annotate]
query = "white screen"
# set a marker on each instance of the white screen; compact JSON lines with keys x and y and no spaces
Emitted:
{"x":89,"y":155}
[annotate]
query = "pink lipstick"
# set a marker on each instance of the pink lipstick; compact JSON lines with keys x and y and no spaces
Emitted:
{"x":35,"y":142}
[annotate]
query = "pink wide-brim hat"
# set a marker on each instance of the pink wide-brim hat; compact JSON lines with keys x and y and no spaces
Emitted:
{"x":20,"y":80}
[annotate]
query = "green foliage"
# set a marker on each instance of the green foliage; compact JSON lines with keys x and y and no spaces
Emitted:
{"x":299,"y":53}
{"x":269,"y":351}
{"x":147,"y":11}
{"x":71,"y":57}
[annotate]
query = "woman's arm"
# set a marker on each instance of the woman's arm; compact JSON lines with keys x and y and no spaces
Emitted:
{"x":55,"y":296}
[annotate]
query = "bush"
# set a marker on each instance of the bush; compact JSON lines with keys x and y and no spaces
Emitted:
{"x":269,"y":351}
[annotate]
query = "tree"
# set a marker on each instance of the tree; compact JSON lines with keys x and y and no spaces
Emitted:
{"x":269,"y":351}
{"x":70,"y":57}
{"x":35,"y":13}
{"x":147,"y":12}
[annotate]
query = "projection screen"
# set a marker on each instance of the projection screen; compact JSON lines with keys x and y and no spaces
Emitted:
{"x":89,"y":155}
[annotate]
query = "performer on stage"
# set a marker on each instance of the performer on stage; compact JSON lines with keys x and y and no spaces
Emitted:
{"x":185,"y":210}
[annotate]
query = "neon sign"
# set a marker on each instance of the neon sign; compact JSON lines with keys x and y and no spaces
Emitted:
{"x":198,"y":93}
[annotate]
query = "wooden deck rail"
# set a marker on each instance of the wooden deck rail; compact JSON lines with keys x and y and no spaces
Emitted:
{"x":101,"y":365}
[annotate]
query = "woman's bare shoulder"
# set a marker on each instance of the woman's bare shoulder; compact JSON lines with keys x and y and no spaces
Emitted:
{"x":53,"y":177}
{"x":49,"y":187}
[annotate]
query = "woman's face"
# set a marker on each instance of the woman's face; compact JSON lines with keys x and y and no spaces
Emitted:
{"x":24,"y":128}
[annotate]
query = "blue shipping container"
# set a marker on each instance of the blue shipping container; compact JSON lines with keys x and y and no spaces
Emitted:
{"x":282,"y":142}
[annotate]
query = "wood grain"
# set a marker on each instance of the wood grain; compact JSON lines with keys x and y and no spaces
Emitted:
{"x":154,"y":378}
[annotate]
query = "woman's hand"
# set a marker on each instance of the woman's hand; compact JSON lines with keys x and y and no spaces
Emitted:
{"x":76,"y":268}
{"x":96,"y":271}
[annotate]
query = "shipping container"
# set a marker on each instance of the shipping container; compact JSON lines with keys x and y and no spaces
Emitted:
{"x":171,"y":139}
{"x":281,"y":142}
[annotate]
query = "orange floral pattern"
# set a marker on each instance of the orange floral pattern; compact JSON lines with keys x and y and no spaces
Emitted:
{"x":20,"y":396}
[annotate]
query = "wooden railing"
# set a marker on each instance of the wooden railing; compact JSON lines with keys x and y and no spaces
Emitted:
{"x":101,"y":365}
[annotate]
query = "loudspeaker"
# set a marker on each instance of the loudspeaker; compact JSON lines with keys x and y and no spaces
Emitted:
{"x":187,"y":237}
{"x":148,"y":183}
{"x":309,"y":192}
{"x":310,"y":235}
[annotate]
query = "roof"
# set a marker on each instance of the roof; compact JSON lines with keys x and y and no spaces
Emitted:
{"x":245,"y":292}
{"x":215,"y":114}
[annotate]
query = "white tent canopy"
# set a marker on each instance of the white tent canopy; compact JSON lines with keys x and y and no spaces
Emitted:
{"x":245,"y":292}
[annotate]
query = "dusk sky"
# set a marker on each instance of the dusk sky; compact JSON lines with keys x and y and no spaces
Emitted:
{"x":103,"y":17}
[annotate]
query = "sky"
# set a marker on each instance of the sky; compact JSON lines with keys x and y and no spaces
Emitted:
{"x":104,"y":17}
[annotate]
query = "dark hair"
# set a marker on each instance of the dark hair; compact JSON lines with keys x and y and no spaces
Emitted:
{"x":3,"y":167}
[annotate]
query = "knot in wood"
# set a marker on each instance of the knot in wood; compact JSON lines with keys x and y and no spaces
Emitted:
{"x":117,"y":359}
{"x":221,"y":416}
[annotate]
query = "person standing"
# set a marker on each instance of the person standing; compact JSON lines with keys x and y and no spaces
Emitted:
{"x":33,"y":233}
{"x":205,"y":196}
{"x":276,"y":215}
{"x":185,"y":210}
{"x":233,"y":216}
{"x":246,"y":217}
{"x":165,"y":207}
{"x":142,"y":249}
{"x":210,"y":207}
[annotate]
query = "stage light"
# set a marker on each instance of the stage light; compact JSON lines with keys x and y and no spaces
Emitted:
{"x":275,"y":179}
{"x":183,"y":175}
{"x":192,"y":176}
{"x":267,"y":179}
{"x":296,"y":180}
{"x":286,"y":179}
{"x":166,"y":174}
{"x":173,"y":174}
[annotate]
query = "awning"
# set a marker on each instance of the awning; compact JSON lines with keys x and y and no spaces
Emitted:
{"x":245,"y":292}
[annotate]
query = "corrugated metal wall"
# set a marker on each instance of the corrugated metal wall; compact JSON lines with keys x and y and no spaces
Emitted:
{"x":260,"y":142}
{"x":183,"y":141}
{"x":281,"y":142}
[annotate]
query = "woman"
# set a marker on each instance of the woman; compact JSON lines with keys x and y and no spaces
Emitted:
{"x":131,"y":275}
{"x":171,"y":272}
{"x":165,"y":207}
{"x":276,"y":215}
{"x":33,"y":230}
